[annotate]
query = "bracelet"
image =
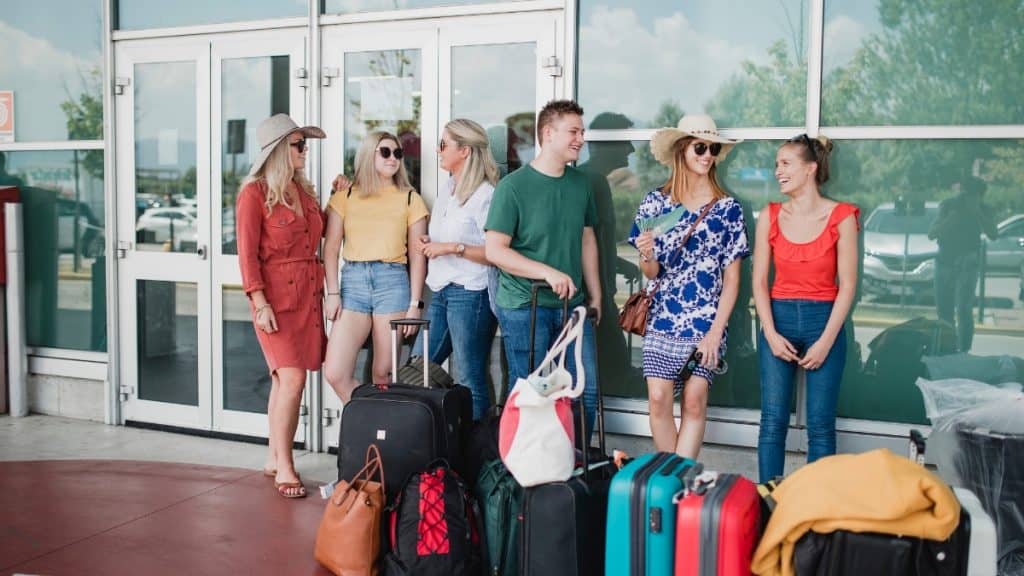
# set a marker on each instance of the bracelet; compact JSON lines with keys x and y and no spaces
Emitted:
{"x":333,"y":293}
{"x":646,"y":258}
{"x":262,"y":308}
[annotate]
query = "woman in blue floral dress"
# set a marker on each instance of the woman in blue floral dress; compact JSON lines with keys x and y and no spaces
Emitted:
{"x":696,"y":284}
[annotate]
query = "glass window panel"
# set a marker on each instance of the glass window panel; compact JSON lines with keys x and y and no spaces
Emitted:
{"x":919,"y":63}
{"x":64,"y":225}
{"x":695,"y":57}
{"x":349,"y":6}
{"x":137,"y":14}
{"x":252,"y":89}
{"x":246,"y":379}
{"x":392,"y":82}
{"x":53,"y":65}
{"x":165,"y":157}
{"x":168,"y":336}
{"x":495,"y":85}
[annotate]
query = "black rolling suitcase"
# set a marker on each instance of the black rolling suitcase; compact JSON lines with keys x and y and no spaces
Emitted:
{"x":562,"y":527}
{"x":411,"y":425}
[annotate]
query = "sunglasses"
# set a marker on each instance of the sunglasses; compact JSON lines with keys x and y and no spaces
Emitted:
{"x":700,"y":148}
{"x":442,"y":145}
{"x":806,"y":141}
{"x":694,"y":361}
{"x":299,"y":145}
{"x":386,"y":152}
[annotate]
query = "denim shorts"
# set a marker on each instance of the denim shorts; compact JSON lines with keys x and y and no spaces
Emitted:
{"x":375,"y":287}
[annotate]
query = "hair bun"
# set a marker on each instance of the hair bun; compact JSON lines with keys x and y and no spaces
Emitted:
{"x":825,"y":141}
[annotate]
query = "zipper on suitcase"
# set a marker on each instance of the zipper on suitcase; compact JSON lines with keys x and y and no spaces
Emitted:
{"x":710,"y":516}
{"x":638,"y":522}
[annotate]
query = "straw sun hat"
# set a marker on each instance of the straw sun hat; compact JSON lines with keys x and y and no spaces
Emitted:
{"x":273,"y":130}
{"x":696,"y":125}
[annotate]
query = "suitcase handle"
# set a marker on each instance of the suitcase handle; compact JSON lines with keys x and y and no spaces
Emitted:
{"x":395,"y":345}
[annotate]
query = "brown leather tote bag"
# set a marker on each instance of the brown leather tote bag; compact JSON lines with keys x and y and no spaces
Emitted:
{"x":348,"y":541}
{"x":633,"y":317}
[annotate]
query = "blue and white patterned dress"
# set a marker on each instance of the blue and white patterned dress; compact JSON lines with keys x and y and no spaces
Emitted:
{"x":689,"y":282}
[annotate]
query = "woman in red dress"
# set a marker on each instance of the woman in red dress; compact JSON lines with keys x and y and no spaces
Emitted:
{"x":279,"y":226}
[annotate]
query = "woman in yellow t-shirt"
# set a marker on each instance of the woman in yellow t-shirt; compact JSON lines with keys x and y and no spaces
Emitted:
{"x":378,"y":217}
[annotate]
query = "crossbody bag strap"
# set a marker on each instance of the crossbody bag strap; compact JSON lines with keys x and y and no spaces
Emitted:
{"x":686,"y":238}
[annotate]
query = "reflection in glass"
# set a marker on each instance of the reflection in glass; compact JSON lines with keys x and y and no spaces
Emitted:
{"x":168,"y":351}
{"x":165,"y":157}
{"x":63,"y":211}
{"x":53,"y":65}
{"x":383,"y":92}
{"x":745,"y":63}
{"x":350,"y":6}
{"x":495,"y":85}
{"x":252,"y":89}
{"x":246,"y":379}
{"x":935,"y":63}
{"x":138,"y":14}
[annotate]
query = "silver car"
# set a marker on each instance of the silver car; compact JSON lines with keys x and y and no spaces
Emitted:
{"x":899,"y":259}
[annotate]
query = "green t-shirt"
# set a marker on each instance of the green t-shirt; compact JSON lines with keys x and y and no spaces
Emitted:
{"x":545,"y":217}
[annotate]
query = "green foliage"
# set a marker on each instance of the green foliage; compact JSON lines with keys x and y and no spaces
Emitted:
{"x":85,"y":120}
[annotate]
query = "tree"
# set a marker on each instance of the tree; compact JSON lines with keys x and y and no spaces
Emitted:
{"x":85,"y":119}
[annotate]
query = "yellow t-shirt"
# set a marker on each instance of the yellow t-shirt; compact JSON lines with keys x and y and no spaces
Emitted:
{"x":377,"y":227}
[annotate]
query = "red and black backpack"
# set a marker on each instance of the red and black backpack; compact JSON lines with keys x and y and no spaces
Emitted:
{"x":433,"y":527}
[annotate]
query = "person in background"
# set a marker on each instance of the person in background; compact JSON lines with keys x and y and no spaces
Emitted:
{"x":958,"y":228}
{"x":696,"y":283}
{"x":279,"y":225}
{"x":461,"y":321}
{"x":541,"y":227}
{"x":378,"y":217}
{"x":811,"y":240}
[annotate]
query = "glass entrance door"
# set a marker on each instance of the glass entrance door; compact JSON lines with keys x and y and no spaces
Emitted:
{"x":186,"y":120}
{"x":411,"y":78}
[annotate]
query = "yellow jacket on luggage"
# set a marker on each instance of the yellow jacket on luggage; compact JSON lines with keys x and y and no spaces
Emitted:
{"x":876,"y":491}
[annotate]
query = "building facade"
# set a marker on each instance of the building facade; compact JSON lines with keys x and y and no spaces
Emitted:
{"x":129,"y":124}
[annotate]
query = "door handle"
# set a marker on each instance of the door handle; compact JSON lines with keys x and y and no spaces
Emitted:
{"x":201,"y":251}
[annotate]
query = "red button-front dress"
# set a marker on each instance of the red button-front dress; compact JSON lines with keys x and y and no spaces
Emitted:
{"x":277,"y":252}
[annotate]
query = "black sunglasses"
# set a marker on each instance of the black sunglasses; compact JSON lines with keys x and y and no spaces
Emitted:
{"x":386,"y":152}
{"x":806,"y":141}
{"x":300,"y":145}
{"x":694,"y":361}
{"x":700,"y":148}
{"x":442,"y":145}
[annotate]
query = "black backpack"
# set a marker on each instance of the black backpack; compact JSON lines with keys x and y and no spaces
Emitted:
{"x":433,"y":527}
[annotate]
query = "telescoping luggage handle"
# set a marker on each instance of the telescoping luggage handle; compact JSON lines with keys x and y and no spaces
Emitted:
{"x":535,"y":287}
{"x":396,"y":345}
{"x":696,"y":480}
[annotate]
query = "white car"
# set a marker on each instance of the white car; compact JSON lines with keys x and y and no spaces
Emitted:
{"x":1006,"y":252}
{"x":899,"y":259}
{"x":159,"y":225}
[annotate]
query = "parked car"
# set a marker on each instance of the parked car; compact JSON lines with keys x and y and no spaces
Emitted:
{"x":160,"y":225}
{"x":1006,"y":252}
{"x":898,"y":256}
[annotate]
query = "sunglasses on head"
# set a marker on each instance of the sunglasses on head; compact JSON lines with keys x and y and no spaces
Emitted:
{"x":700,"y":148}
{"x":806,"y":141}
{"x":299,"y":145}
{"x":386,"y":152}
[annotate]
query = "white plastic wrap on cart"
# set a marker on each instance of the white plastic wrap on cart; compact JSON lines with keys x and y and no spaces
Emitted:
{"x":977,"y":441}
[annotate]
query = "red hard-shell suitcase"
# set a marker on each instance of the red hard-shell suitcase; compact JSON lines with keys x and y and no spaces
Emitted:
{"x":717,"y":524}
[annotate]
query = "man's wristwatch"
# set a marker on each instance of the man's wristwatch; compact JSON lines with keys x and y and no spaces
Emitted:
{"x":418,"y":304}
{"x":460,"y":249}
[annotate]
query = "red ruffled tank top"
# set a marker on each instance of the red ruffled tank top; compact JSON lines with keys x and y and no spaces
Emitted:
{"x":807,"y":271}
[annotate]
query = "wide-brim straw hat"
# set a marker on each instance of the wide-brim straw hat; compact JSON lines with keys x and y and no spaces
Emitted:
{"x":699,"y":126}
{"x":273,"y":130}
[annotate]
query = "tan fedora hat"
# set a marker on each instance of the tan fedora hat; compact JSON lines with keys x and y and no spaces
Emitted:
{"x":273,"y":130}
{"x":695,"y":125}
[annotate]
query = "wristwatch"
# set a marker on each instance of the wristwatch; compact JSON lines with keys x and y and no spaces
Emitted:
{"x":416,"y":304}
{"x":460,"y":249}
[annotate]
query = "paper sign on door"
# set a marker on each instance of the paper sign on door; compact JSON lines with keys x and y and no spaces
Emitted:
{"x":6,"y":116}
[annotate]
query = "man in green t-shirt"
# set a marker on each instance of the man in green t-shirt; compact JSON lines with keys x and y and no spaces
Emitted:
{"x":541,"y":227}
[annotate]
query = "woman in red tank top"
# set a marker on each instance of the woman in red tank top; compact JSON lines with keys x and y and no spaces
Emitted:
{"x":811,"y":240}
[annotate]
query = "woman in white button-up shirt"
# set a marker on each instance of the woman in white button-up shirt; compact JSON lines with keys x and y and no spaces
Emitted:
{"x":461,"y":322}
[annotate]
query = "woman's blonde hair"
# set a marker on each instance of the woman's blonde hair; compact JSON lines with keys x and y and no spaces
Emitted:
{"x":678,"y":183}
{"x":479,"y":165}
{"x":367,"y":178}
{"x":278,"y":174}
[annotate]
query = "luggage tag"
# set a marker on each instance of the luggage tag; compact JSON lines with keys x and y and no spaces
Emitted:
{"x":326,"y":490}
{"x":548,"y":384}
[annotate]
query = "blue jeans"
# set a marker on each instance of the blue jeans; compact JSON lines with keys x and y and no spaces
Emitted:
{"x":802,"y":323}
{"x":462,"y":326}
{"x":515,"y":330}
{"x":375,"y":287}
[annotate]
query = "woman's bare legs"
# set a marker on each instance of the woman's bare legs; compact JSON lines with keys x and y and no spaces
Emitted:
{"x":663,"y":423}
{"x":694,"y":405}
{"x":347,"y":337}
{"x":284,"y":417}
{"x":383,"y":340}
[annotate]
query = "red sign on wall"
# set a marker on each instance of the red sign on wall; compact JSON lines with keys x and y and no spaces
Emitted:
{"x":6,"y":116}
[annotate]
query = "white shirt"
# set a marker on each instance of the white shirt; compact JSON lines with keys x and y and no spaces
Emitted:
{"x":450,"y":222}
